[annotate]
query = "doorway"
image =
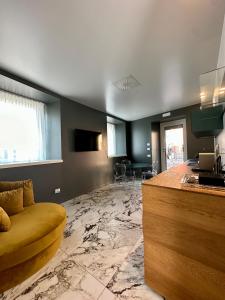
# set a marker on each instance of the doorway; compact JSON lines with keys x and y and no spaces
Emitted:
{"x":173,"y":143}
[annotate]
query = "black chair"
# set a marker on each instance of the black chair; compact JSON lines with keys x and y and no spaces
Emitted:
{"x":120,"y":172}
{"x":130,"y":172}
{"x":125,"y":161}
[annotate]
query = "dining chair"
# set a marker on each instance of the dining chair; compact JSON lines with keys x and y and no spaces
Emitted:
{"x":120,"y":172}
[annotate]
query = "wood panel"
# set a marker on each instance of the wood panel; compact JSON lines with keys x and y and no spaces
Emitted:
{"x":206,"y":212}
{"x":209,"y":250}
{"x":184,"y":239}
{"x":178,"y":277}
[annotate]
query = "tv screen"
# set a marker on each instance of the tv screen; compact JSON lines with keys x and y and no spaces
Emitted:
{"x":86,"y":140}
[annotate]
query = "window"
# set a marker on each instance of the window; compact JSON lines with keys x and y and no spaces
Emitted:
{"x":116,"y":137}
{"x":111,"y":138}
{"x":23,"y":125}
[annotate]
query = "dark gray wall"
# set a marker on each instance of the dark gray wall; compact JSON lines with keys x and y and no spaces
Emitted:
{"x":83,"y":171}
{"x":141,"y":135}
{"x":80,"y":172}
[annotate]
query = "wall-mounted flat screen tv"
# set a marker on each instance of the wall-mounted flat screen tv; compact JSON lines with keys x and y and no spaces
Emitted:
{"x":87,"y":140}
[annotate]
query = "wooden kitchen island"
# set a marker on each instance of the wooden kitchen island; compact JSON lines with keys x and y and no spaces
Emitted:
{"x":184,"y":238}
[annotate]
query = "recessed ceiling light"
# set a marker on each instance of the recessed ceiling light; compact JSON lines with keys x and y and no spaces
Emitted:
{"x":126,"y":83}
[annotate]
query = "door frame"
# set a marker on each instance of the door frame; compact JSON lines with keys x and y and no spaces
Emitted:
{"x":163,"y":126}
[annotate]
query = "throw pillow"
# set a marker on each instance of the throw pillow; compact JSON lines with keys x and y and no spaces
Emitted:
{"x":27,"y":185}
{"x":12,"y":201}
{"x":5,"y":222}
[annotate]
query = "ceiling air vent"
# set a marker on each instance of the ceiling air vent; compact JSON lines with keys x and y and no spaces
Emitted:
{"x":126,"y":83}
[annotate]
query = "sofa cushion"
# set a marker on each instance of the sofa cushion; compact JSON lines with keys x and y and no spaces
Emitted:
{"x":12,"y":201}
{"x":27,"y":185}
{"x":5,"y":222}
{"x":32,"y":230}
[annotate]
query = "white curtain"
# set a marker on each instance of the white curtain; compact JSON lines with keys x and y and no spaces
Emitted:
{"x":111,"y":138}
{"x":22,"y":129}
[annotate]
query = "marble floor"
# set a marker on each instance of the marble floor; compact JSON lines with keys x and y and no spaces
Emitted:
{"x":101,"y":256}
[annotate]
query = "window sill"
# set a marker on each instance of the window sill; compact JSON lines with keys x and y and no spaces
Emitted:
{"x":119,"y":155}
{"x":31,"y":163}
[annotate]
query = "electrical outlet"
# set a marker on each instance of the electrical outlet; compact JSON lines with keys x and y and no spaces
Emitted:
{"x":57,"y":191}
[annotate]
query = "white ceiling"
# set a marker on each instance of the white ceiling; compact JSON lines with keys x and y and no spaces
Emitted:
{"x":78,"y":48}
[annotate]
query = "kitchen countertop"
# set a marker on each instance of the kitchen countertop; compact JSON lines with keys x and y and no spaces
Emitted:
{"x":172,"y":179}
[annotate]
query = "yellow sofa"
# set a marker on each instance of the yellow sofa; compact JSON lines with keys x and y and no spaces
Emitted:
{"x":33,"y":239}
